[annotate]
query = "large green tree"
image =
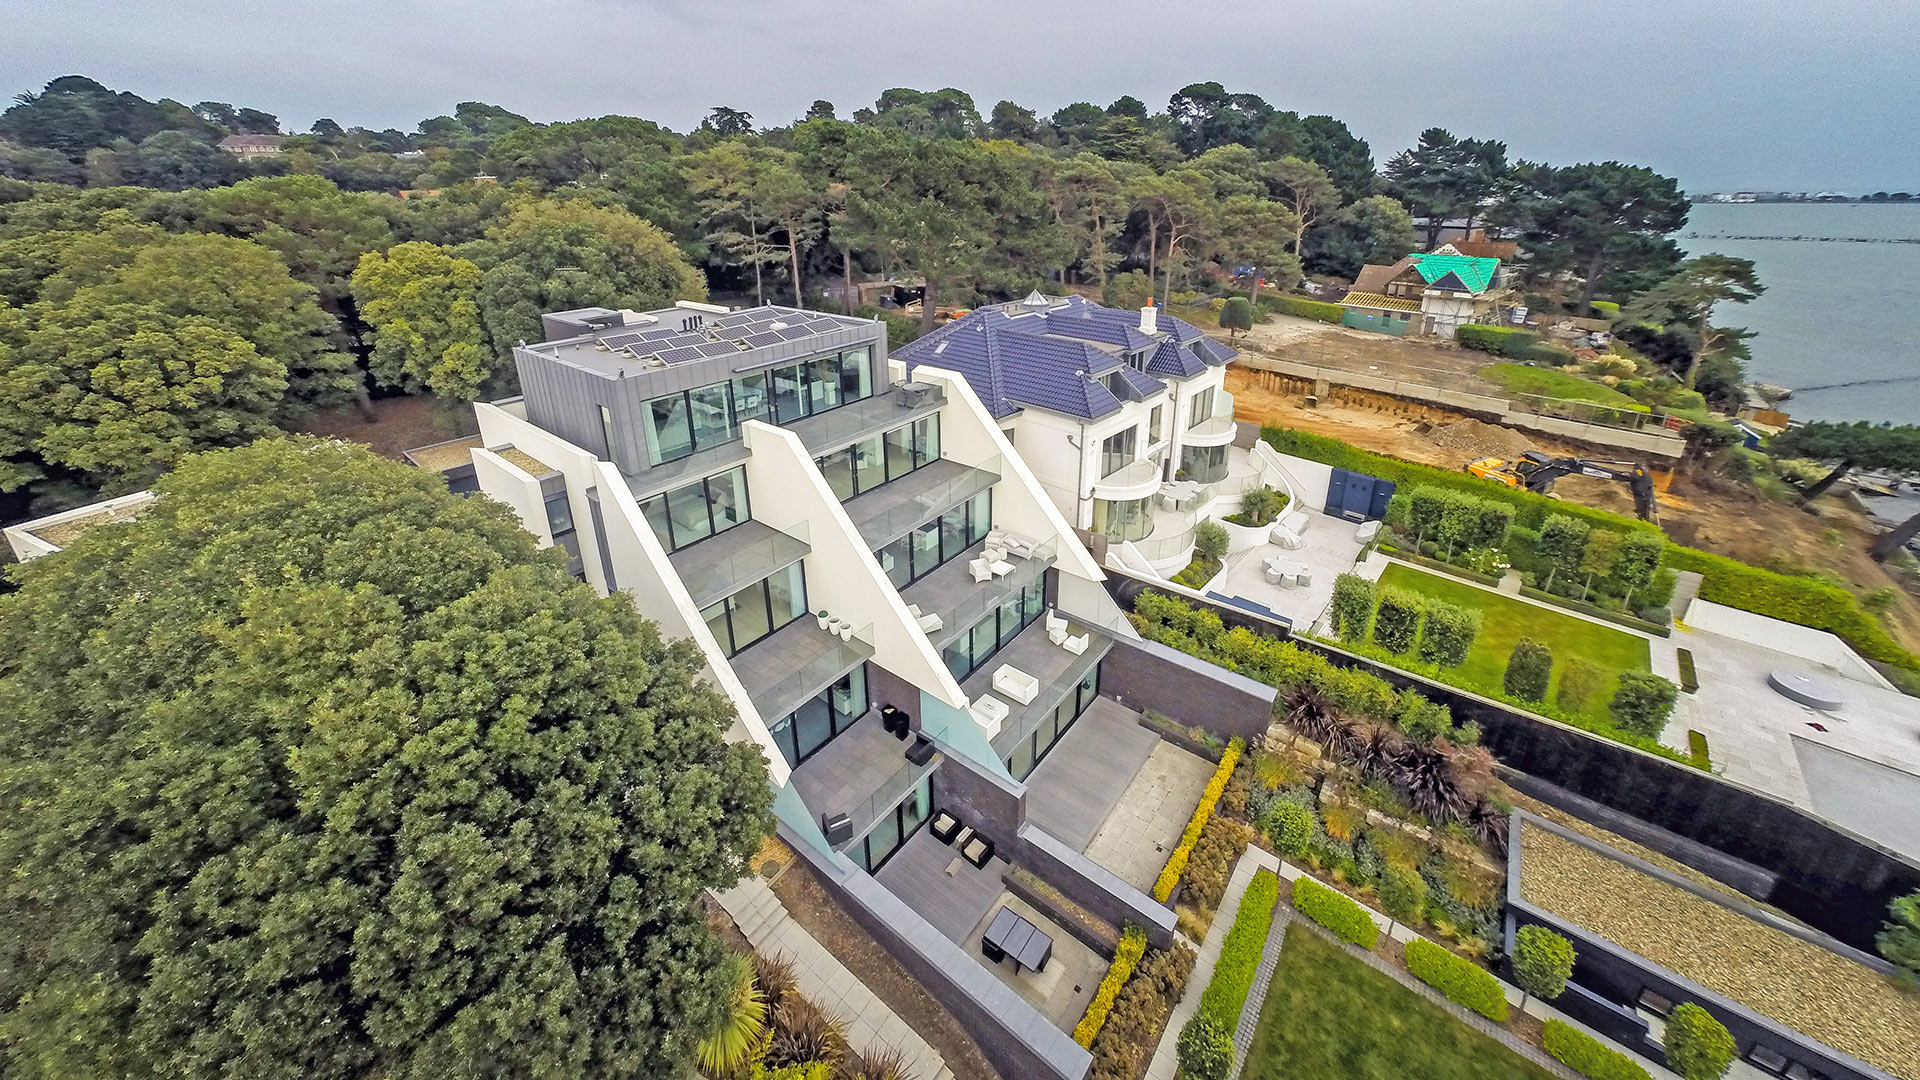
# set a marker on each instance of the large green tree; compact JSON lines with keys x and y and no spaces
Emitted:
{"x":545,"y":255}
{"x":318,"y":229}
{"x":1685,"y":301}
{"x":1595,"y":219}
{"x":316,"y":770}
{"x":423,"y":303}
{"x":1443,"y":177}
{"x":1847,"y":447}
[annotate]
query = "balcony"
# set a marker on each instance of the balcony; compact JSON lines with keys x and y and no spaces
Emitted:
{"x":951,"y":593}
{"x":1058,"y":670}
{"x":792,"y":664}
{"x":862,"y":773}
{"x":864,"y":419}
{"x":717,"y":567}
{"x":892,"y":510}
{"x":1215,"y":432}
{"x":1134,"y":480}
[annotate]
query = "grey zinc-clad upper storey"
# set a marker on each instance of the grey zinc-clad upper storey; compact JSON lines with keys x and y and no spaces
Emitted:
{"x":647,"y":389}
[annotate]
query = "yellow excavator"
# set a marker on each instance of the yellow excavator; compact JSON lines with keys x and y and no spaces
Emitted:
{"x":1536,"y":472}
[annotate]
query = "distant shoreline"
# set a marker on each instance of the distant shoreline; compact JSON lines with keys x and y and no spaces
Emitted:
{"x":1716,"y":198}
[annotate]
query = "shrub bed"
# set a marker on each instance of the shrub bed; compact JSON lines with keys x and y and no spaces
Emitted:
{"x":1587,"y":1055}
{"x":1139,"y":1015}
{"x":1631,"y":622}
{"x":1498,"y":340}
{"x":1240,"y":953}
{"x":1177,"y":862}
{"x":1302,"y":308}
{"x":1133,"y":946}
{"x":1689,"y":682}
{"x":1462,"y":981}
{"x":1336,"y":912}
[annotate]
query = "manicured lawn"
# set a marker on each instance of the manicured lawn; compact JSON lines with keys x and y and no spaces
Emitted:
{"x":1522,"y":379}
{"x":1328,"y":1015}
{"x":1507,"y":620}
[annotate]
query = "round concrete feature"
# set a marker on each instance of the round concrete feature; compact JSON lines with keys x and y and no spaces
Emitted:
{"x":1806,"y":689}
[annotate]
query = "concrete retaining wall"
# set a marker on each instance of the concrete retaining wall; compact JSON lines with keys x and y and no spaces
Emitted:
{"x":1149,"y":675}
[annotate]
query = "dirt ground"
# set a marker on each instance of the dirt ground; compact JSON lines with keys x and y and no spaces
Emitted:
{"x":401,"y":423}
{"x":1711,"y":515}
{"x":1432,"y":363}
{"x":810,"y":905}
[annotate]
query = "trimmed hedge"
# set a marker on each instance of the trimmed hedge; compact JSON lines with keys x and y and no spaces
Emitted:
{"x":1397,"y":624}
{"x":1587,"y":1055}
{"x":1464,"y":982}
{"x":1240,"y":953}
{"x":1177,"y":862}
{"x":1689,"y":680}
{"x":1529,"y":510}
{"x":1450,"y":633}
{"x":1335,"y":911}
{"x":1302,"y":308}
{"x":1505,"y":341}
{"x":1354,"y":598}
{"x":1133,"y":946}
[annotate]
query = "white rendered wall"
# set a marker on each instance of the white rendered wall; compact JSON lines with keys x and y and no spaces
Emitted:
{"x":1790,"y":639}
{"x":503,"y":481}
{"x":499,"y":427}
{"x":26,"y":545}
{"x":1045,"y":441}
{"x":843,"y":577}
{"x":969,"y":435}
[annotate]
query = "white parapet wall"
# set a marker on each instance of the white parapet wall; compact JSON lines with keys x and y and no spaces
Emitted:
{"x":44,"y":536}
{"x":1791,"y":639}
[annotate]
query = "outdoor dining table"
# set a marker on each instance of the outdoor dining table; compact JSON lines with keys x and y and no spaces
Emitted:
{"x":1017,"y":939}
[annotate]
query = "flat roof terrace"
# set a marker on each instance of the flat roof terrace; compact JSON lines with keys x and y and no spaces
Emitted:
{"x":649,"y":341}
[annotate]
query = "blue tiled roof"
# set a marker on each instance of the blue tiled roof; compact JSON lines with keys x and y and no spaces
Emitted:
{"x":1014,"y":357}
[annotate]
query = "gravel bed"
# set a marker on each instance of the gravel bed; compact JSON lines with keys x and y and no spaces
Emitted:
{"x":1821,"y":993}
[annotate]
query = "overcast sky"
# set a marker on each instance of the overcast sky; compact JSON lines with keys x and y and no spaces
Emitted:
{"x":1770,"y":94}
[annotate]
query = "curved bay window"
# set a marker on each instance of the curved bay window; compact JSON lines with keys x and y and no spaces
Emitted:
{"x":1204,"y":464}
{"x":1123,"y":519}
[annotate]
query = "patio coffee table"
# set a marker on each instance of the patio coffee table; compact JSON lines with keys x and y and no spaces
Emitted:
{"x":1011,"y":936}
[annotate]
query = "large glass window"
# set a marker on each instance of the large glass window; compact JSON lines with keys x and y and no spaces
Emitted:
{"x":750,"y":397}
{"x":1124,"y":519}
{"x":822,"y":718}
{"x":970,"y":651}
{"x":693,"y":512}
{"x":671,"y":434}
{"x":606,"y":430}
{"x":930,"y":546}
{"x":1033,"y":748}
{"x":789,"y":394}
{"x":823,"y":383}
{"x":895,"y":827}
{"x":1201,"y":409}
{"x":1116,"y":451}
{"x":712,"y":418}
{"x":860,"y":468}
{"x":758,"y":610}
{"x":1204,"y":463}
{"x":1153,"y":423}
{"x":856,"y":374}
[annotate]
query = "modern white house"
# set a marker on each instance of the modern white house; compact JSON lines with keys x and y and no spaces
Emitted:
{"x":1122,"y":416}
{"x":903,"y":616}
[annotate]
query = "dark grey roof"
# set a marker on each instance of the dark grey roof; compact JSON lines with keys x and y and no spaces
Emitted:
{"x":1013,"y":355}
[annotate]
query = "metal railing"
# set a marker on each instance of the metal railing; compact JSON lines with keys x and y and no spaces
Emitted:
{"x":886,"y":795}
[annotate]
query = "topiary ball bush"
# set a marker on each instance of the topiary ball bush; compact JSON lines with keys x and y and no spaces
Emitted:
{"x":1205,"y":1049}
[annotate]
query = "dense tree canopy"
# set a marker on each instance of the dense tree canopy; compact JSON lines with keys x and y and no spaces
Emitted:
{"x":316,"y":770}
{"x":422,"y":302}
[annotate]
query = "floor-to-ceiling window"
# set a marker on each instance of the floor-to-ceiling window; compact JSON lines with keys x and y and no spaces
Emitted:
{"x":1204,"y":464}
{"x":826,"y":715}
{"x":1116,"y":451}
{"x":692,"y":512}
{"x":895,"y":827}
{"x":681,"y":423}
{"x":758,"y":610}
{"x":1123,"y":519}
{"x":967,"y":652}
{"x":1200,"y":408}
{"x":1032,"y":748}
{"x":930,"y":546}
{"x":858,"y":469}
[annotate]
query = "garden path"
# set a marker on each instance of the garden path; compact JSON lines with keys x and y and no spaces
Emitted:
{"x":1166,"y":1061}
{"x":871,"y":1025}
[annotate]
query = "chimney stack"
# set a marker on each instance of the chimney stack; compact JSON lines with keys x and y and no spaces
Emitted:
{"x":1149,"y":318}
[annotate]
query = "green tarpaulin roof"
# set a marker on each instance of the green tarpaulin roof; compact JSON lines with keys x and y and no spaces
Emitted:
{"x":1476,"y":273}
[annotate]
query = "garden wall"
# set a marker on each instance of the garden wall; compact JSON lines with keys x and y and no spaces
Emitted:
{"x":1818,"y":646}
{"x":1827,"y":877}
{"x":1146,"y":675}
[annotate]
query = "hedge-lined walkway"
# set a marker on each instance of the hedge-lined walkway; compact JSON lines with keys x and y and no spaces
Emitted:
{"x":1166,"y":1059}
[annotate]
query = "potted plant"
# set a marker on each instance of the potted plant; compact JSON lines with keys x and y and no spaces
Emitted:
{"x":821,"y":618}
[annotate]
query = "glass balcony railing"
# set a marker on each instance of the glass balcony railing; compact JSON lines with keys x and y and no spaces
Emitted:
{"x":886,"y":795}
{"x":718,"y":567}
{"x":889,"y":512}
{"x":988,"y":595}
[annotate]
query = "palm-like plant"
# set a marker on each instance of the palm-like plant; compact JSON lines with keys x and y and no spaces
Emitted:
{"x":775,"y":976}
{"x":1489,"y":824}
{"x":741,"y":1035}
{"x":1425,"y":776}
{"x":1309,"y":713}
{"x":804,"y":1032}
{"x":1377,"y":750}
{"x":883,"y":1064}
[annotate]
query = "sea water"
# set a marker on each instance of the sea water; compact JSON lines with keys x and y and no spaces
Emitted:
{"x":1840,"y":320}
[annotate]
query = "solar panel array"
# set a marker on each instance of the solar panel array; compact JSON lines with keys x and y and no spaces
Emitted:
{"x":746,"y":330}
